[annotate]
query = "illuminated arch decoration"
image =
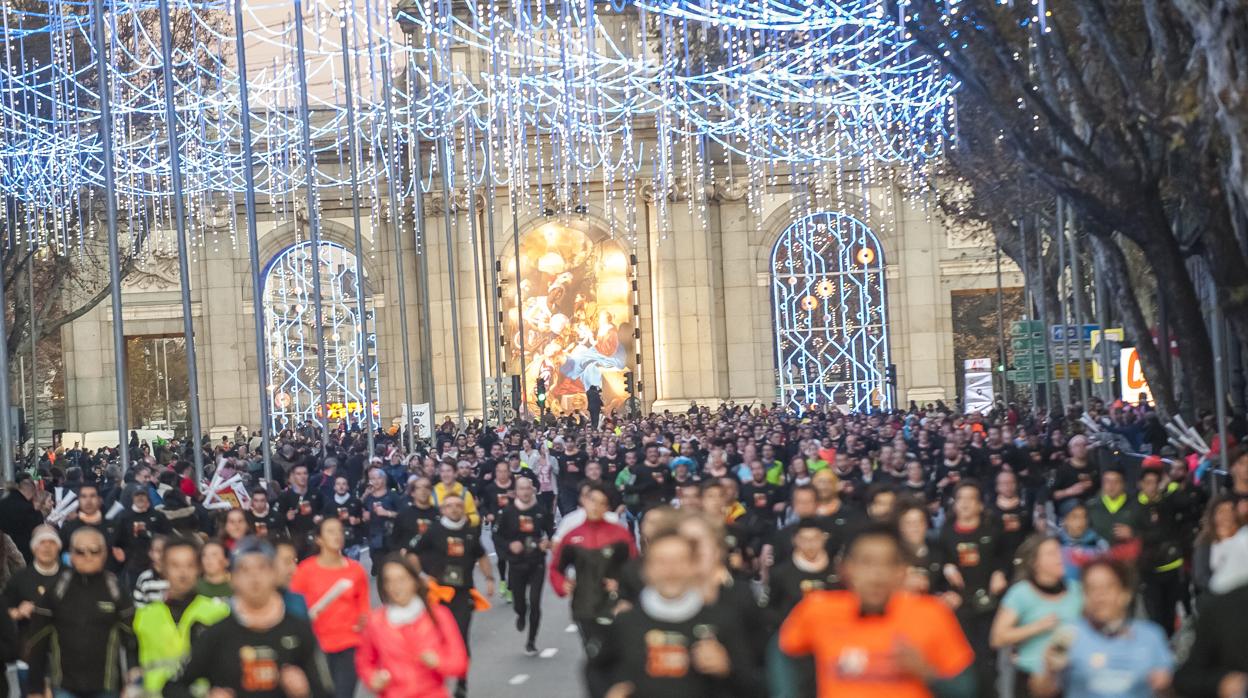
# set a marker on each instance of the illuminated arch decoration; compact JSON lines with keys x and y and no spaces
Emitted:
{"x":290,"y":337}
{"x":831,"y":313}
{"x":577,"y":310}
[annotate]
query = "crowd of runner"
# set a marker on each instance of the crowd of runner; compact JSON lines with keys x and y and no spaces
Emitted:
{"x":716,"y":552}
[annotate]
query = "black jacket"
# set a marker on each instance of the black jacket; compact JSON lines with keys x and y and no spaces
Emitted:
{"x":79,"y":633}
{"x":1221,"y":645}
{"x":18,"y":518}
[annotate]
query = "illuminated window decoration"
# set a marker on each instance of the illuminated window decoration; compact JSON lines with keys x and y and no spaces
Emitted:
{"x":832,"y":352}
{"x":558,"y":94}
{"x":290,"y":337}
{"x":576,"y":301}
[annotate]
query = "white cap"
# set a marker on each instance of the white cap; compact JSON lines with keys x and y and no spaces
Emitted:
{"x":44,"y":532}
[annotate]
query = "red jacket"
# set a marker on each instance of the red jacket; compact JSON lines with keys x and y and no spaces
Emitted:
{"x":398,"y":650}
{"x":591,"y":535}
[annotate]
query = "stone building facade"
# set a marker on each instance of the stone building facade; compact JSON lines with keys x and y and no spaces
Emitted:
{"x":705,"y":320}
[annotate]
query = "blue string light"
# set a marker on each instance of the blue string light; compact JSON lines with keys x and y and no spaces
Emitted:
{"x":564,"y":93}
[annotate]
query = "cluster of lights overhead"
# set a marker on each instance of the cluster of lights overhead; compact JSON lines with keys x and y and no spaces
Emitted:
{"x":542,"y":98}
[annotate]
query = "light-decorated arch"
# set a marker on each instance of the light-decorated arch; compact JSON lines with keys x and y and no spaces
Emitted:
{"x":573,"y":323}
{"x":290,"y":337}
{"x":830,"y":312}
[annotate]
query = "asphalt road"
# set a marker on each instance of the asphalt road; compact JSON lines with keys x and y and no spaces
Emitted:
{"x":499,"y":666}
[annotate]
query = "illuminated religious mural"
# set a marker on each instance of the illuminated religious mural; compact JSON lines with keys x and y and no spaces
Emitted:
{"x":831,"y":313}
{"x":290,"y":337}
{"x":574,"y":326}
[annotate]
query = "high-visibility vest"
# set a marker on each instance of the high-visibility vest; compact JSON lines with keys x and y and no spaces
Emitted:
{"x":164,"y":644}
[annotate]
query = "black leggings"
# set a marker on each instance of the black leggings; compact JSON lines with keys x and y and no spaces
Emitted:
{"x":1163,"y":591}
{"x":526,"y":582}
{"x":461,"y":607}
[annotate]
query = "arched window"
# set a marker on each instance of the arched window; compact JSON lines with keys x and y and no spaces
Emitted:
{"x":831,"y":314}
{"x":290,"y":336}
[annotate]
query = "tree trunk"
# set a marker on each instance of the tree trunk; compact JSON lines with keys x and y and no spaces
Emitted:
{"x":1187,"y":319}
{"x":1109,"y":258}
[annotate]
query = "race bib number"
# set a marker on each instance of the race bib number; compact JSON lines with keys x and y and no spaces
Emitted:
{"x":968,"y":555}
{"x":259,"y":668}
{"x":454,"y":547}
{"x":667,"y":655}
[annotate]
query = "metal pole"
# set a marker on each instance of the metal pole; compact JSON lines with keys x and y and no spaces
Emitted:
{"x":1219,"y":382}
{"x":6,"y":426}
{"x":34,"y":365}
{"x":444,"y":152}
{"x":314,"y":226}
{"x":353,"y":145}
{"x":496,"y":297}
{"x":396,"y":225}
{"x":1076,"y":271}
{"x":179,"y":220}
{"x":110,"y":216}
{"x":164,"y":356}
{"x":249,"y":198}
{"x":476,"y":268}
{"x":1103,"y":317}
{"x":494,"y":309}
{"x":1027,"y":297}
{"x":420,"y":230}
{"x":1005,"y":381}
{"x":21,"y":379}
{"x":515,"y":243}
{"x":1059,"y":223}
{"x":1042,"y":306}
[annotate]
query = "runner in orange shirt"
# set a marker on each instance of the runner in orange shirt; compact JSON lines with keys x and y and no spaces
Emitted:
{"x":875,"y":639}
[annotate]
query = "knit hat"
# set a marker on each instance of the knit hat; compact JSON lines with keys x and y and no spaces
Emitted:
{"x":44,"y":532}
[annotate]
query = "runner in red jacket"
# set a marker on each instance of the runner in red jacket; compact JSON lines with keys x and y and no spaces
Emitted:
{"x":597,"y":551}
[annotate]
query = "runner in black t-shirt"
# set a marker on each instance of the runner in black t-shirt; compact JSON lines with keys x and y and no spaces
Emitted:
{"x":448,"y":552}
{"x":265,"y":520}
{"x":522,"y":536}
{"x":343,"y":505}
{"x":760,"y":496}
{"x":669,"y":646}
{"x":260,"y":651}
{"x":419,"y":514}
{"x":976,"y":567}
{"x":301,"y":508}
{"x":571,"y":472}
